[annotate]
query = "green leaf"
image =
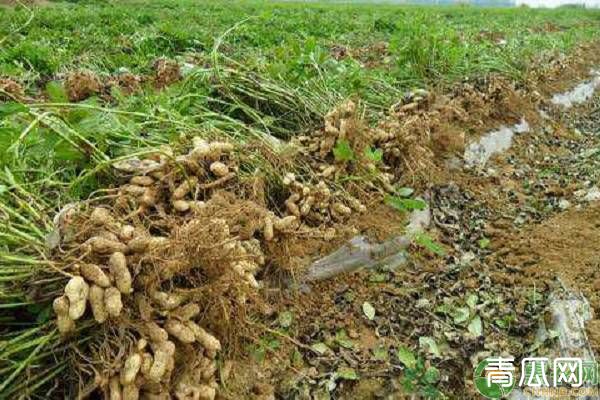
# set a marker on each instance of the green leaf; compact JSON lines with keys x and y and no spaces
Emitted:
{"x":502,"y":323}
{"x":408,"y":385}
{"x":369,"y":310}
{"x":404,"y":204}
{"x":66,"y":152}
{"x":405,"y":191}
{"x":342,"y":339}
{"x":483,"y":243}
{"x":342,"y":151}
{"x":297,"y":359}
{"x":535,"y":297}
{"x":380,"y":353}
{"x":460,"y":315}
{"x":426,"y":241}
{"x":347,"y":373}
{"x":476,"y":326}
{"x":12,"y":108}
{"x":406,"y":357}
{"x":374,"y":155}
{"x":431,"y":375}
{"x":349,"y":296}
{"x":258,"y":354}
{"x":285,"y":319}
{"x":56,"y":92}
{"x":472,"y":300}
{"x":443,"y":309}
{"x":273,"y":344}
{"x":320,"y":348}
{"x":427,"y":343}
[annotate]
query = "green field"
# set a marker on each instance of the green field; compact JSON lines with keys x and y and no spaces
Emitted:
{"x":290,"y":42}
{"x":298,"y":59}
{"x":250,"y":71}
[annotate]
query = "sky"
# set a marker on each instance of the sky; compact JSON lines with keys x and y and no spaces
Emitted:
{"x":556,"y":3}
{"x":530,"y":3}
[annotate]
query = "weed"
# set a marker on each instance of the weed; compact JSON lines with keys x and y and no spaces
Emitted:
{"x":418,"y":378}
{"x":424,"y":240}
{"x":342,"y":151}
{"x":403,"y":204}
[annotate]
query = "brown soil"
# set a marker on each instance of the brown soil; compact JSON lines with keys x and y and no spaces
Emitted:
{"x":13,"y":90}
{"x":561,"y":73}
{"x":127,"y":82}
{"x":167,"y":72}
{"x":492,"y":36}
{"x":371,"y":56}
{"x":82,"y":84}
{"x":565,"y":247}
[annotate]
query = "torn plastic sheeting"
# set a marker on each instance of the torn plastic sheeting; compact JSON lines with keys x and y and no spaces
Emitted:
{"x":136,"y":166}
{"x":569,"y":316}
{"x":54,"y":237}
{"x":570,"y":311}
{"x":498,"y":141}
{"x":359,"y":254}
{"x":579,"y":94}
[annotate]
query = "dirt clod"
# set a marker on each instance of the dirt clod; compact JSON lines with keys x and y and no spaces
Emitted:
{"x":12,"y":90}
{"x":82,"y":84}
{"x":166,"y":72}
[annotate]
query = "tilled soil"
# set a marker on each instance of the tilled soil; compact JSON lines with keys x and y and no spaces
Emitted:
{"x":564,"y":247}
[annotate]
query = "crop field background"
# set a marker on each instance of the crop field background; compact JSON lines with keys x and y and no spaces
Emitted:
{"x":245,"y":71}
{"x":289,"y":41}
{"x":309,"y":56}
